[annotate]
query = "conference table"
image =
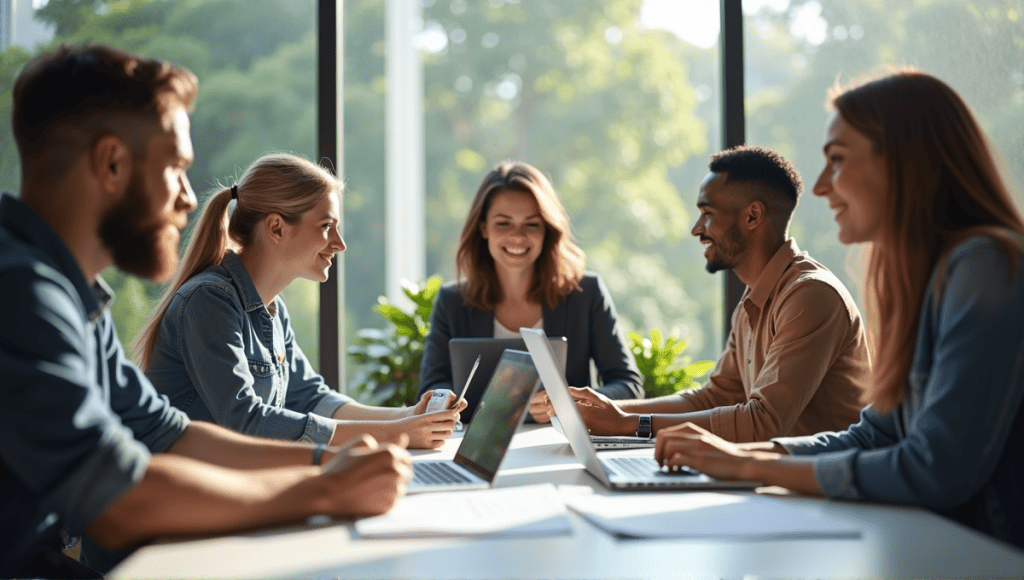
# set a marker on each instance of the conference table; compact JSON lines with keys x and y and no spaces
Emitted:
{"x":893,"y":542}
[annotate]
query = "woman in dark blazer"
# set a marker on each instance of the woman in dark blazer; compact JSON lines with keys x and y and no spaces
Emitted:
{"x":518,"y":266}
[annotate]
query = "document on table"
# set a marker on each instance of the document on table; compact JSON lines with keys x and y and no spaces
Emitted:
{"x":705,"y":515}
{"x":531,"y":510}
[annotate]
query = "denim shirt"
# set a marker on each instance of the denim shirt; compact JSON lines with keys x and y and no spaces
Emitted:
{"x":956,"y":443}
{"x":78,"y":421}
{"x":221,"y":356}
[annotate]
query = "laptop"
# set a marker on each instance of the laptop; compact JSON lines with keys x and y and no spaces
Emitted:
{"x":622,"y":470}
{"x":501,"y":411}
{"x":464,"y":351}
{"x":604,"y":442}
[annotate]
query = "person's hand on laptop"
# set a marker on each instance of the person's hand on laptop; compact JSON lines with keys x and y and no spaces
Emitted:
{"x":601,"y":415}
{"x":692,"y":446}
{"x":365,"y":478}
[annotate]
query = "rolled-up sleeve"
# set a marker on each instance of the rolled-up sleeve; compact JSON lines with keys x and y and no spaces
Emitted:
{"x":965,"y":401}
{"x":812,"y":326}
{"x":61,"y":439}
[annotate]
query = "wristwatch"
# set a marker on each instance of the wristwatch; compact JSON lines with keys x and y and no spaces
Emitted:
{"x":643,"y":426}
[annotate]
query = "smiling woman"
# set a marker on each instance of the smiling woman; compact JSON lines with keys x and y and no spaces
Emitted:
{"x":519,"y":267}
{"x":220,"y":344}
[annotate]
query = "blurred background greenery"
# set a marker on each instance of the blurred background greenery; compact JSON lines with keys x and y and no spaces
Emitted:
{"x":617,"y":100}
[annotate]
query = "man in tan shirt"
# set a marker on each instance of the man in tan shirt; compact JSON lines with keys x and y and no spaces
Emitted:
{"x":797,"y":358}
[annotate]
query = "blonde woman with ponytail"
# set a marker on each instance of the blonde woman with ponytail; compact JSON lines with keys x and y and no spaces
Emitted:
{"x":909,"y":170}
{"x":220,"y":344}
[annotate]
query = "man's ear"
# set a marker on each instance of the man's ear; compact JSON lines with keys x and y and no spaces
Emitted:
{"x":111,"y":164}
{"x":274,"y":227}
{"x":754,"y":215}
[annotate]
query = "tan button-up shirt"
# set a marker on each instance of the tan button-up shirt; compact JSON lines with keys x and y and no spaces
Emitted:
{"x":797,"y":359}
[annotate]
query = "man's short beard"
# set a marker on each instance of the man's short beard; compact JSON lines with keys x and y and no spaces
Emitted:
{"x":727,"y":250}
{"x":135,"y":236}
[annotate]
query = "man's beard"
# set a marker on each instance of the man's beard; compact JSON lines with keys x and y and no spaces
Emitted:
{"x":142,"y":241}
{"x":727,"y":250}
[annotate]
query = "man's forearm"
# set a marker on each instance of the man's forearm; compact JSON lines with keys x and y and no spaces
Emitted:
{"x":221,"y":446}
{"x":179,"y":495}
{"x":668,"y":404}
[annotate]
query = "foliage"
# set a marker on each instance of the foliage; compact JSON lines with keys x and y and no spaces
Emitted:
{"x":390,"y":359}
{"x":663,"y":374}
{"x":621,"y":116}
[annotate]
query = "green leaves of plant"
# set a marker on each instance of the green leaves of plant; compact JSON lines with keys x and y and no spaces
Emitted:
{"x":656,"y":360}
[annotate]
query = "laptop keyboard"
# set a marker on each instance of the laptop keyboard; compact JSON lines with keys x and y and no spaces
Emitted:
{"x":639,"y":467}
{"x":435,"y":472}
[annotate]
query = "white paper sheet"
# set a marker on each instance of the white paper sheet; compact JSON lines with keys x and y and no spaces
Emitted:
{"x":707,"y":515}
{"x":532,"y":510}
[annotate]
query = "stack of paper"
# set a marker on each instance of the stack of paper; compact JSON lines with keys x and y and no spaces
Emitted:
{"x":707,"y":515}
{"x":530,"y":510}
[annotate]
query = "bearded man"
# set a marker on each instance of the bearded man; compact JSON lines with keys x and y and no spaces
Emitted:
{"x":87,"y":446}
{"x":796,"y":362}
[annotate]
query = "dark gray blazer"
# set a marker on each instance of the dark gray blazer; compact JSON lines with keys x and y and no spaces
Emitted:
{"x":585,"y":317}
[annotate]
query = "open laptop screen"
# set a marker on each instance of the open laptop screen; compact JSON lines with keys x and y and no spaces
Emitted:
{"x":499,"y":414}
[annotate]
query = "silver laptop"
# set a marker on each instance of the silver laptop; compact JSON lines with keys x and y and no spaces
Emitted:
{"x":501,"y":411}
{"x":633,"y":470}
{"x":605,"y":442}
{"x":463,"y":352}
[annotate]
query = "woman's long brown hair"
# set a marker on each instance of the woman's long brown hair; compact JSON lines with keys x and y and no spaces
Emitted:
{"x":558,"y":269}
{"x":943,"y":186}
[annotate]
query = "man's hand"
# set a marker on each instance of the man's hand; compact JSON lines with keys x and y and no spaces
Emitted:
{"x":366,"y":478}
{"x":601,"y":415}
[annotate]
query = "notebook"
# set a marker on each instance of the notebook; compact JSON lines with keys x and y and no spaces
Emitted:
{"x":625,"y":470}
{"x":501,"y":411}
{"x":464,"y":351}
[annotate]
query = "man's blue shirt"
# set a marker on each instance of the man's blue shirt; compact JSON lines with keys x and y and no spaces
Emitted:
{"x":78,"y":421}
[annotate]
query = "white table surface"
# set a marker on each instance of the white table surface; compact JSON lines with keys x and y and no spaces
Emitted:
{"x":896,"y":542}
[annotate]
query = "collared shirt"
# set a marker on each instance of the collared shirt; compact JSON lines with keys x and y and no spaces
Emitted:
{"x":78,"y":421}
{"x":956,"y":443}
{"x":221,"y":356}
{"x":797,"y":359}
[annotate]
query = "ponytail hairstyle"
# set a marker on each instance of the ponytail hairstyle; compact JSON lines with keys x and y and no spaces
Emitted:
{"x":943,"y":186}
{"x":279,"y":183}
{"x":559,"y":268}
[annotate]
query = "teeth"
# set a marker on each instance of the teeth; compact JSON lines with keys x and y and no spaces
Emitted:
{"x":516,"y":251}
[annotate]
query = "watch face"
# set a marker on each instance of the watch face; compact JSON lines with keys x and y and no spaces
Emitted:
{"x":643,"y":428}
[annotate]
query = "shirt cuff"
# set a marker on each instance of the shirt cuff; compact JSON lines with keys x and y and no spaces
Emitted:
{"x":807,"y":445}
{"x":118,"y":464}
{"x":330,"y":403}
{"x":318,"y":429}
{"x":834,"y":473}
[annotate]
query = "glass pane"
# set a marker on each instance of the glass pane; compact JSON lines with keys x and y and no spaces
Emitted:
{"x":256,"y":63}
{"x":797,"y":49}
{"x":619,"y":111}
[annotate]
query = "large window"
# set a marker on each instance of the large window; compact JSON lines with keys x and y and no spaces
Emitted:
{"x":797,"y":49}
{"x":256,"y":63}
{"x":606,"y":97}
{"x":617,"y":100}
